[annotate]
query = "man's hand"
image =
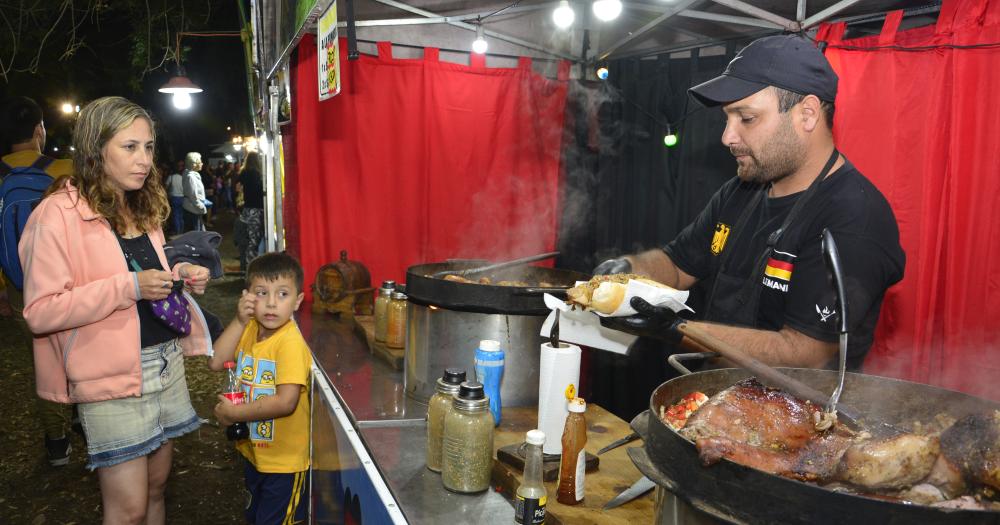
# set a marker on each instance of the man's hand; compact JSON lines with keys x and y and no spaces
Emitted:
{"x":612,"y":266}
{"x":656,"y":322}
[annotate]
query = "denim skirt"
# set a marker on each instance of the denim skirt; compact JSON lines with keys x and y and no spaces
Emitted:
{"x":119,"y":430}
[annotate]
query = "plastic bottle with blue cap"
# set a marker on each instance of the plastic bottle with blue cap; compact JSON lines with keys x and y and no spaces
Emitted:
{"x":489,"y":372}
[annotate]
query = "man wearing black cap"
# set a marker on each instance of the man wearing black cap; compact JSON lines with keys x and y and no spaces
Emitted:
{"x":756,"y":247}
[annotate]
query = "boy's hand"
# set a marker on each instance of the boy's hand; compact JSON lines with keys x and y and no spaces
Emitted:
{"x":224,"y":411}
{"x":245,"y":307}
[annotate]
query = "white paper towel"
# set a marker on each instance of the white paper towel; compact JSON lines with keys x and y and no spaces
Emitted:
{"x":558,"y":381}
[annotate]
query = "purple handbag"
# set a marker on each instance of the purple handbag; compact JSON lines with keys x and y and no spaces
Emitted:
{"x":172,"y":310}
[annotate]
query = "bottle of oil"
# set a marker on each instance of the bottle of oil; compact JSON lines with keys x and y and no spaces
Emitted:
{"x":573,"y":465}
{"x":530,"y":498}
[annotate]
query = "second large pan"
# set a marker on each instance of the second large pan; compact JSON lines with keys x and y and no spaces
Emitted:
{"x":740,"y":494}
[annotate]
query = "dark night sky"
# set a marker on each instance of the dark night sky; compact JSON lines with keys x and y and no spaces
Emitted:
{"x":216,"y":64}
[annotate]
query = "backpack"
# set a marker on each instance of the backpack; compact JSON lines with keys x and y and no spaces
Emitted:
{"x":21,"y":190}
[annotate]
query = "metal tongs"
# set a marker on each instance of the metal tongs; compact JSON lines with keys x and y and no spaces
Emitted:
{"x":495,"y":266}
{"x":832,"y":257}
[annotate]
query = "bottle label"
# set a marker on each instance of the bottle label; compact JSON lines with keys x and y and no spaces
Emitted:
{"x":581,"y":471}
{"x":235,"y":397}
{"x":529,"y":511}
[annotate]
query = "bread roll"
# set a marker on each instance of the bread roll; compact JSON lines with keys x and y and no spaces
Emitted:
{"x":608,"y":297}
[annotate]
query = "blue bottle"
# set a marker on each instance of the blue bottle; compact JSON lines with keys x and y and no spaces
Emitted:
{"x":489,"y":372}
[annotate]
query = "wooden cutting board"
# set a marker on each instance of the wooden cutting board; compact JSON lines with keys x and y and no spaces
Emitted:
{"x":391,"y":356}
{"x":614,"y":474}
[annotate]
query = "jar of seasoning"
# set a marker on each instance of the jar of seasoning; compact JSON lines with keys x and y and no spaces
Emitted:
{"x":395,"y":335}
{"x":467,"y":444}
{"x":382,"y":309}
{"x":437,"y":408}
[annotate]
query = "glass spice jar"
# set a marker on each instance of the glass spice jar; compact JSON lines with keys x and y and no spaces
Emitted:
{"x":467,"y":444}
{"x":382,"y":309}
{"x":395,"y":336}
{"x":437,"y":408}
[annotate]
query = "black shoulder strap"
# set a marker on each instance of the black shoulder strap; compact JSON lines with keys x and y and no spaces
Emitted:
{"x":42,"y":162}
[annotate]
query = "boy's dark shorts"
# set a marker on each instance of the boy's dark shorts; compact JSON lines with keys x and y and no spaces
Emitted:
{"x":275,"y":498}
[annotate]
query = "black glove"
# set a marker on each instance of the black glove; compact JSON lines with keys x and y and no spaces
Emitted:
{"x":610,"y":266}
{"x":656,"y":322}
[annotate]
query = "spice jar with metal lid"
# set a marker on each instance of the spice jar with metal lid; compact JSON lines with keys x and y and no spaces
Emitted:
{"x":382,"y":309}
{"x":395,"y":336}
{"x":437,"y":408}
{"x":467,"y":444}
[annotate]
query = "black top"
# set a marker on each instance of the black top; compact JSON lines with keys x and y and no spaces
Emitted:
{"x":253,"y":188}
{"x":151,"y":330}
{"x":795,"y":288}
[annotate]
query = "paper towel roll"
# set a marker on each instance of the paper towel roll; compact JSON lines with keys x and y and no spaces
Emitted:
{"x":558,"y":380}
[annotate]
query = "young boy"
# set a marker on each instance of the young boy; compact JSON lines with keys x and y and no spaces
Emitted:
{"x":274,"y":363}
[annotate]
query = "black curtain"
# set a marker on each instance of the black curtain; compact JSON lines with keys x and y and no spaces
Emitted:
{"x":624,"y":191}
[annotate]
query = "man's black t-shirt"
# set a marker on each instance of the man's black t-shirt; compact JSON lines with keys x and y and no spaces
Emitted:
{"x":795,"y":289}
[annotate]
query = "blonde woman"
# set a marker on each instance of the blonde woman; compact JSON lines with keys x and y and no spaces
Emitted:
{"x":95,"y":278}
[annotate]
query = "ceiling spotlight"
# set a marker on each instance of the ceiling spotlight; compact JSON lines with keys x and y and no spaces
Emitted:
{"x":607,"y":10}
{"x":479,"y":45}
{"x":602,"y":73}
{"x":182,"y":100}
{"x":180,"y":84}
{"x":563,"y":15}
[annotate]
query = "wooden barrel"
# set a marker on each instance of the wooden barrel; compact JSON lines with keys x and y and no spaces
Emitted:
{"x":336,"y":281}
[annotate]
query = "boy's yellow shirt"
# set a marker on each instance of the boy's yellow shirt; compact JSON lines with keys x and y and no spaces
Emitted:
{"x":276,"y":445}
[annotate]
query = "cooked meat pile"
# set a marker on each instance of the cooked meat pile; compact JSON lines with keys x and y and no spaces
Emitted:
{"x":582,"y":293}
{"x":488,"y":280}
{"x":770,"y":430}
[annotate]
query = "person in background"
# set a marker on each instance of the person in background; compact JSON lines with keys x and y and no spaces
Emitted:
{"x":175,"y":193}
{"x":251,"y":185}
{"x":24,"y":141}
{"x":94,"y":269}
{"x":275,"y":364}
{"x":756,"y":247}
{"x":208,"y":179}
{"x":194,"y":194}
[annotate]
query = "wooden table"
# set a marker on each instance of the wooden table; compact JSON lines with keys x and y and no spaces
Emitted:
{"x":615,"y":473}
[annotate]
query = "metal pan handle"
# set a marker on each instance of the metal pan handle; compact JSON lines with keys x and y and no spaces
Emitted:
{"x":640,"y":423}
{"x":675,"y":360}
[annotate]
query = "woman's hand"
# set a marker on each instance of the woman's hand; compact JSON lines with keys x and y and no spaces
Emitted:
{"x":245,"y":307}
{"x":195,"y":277}
{"x":154,"y":284}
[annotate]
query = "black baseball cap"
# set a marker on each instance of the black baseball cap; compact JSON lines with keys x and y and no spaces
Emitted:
{"x":790,"y":62}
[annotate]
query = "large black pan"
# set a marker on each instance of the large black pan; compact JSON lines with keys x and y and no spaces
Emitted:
{"x":740,"y":494}
{"x":484,"y":298}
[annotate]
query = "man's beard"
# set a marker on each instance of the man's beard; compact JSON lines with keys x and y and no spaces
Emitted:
{"x":784,"y":154}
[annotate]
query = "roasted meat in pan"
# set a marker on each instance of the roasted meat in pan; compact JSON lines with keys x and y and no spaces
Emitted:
{"x":771,"y":430}
{"x":767,"y":429}
{"x":972,"y":446}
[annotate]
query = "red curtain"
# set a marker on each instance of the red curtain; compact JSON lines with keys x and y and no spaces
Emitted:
{"x":922,"y":124}
{"x":420,"y":161}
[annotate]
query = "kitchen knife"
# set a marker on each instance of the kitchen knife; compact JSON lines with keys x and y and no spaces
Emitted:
{"x":619,"y":442}
{"x":637,"y":489}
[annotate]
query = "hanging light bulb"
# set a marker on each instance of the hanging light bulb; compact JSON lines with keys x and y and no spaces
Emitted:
{"x":602,"y":73}
{"x":670,"y":139}
{"x":563,"y":15}
{"x":182,"y":100}
{"x":607,"y":10}
{"x":479,"y":45}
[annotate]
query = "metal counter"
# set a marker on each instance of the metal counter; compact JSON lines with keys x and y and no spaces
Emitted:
{"x":369,"y":440}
